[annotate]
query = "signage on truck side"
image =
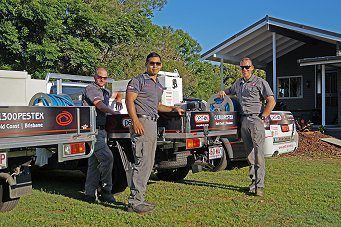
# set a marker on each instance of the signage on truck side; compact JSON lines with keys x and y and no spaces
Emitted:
{"x":25,"y":121}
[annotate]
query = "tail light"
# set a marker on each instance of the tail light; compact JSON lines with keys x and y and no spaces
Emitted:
{"x":285,"y":128}
{"x":74,"y":149}
{"x":193,"y":143}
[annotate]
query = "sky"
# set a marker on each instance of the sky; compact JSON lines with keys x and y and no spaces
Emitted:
{"x":210,"y":22}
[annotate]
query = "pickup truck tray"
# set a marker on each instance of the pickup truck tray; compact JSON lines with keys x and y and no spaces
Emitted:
{"x":191,"y":124}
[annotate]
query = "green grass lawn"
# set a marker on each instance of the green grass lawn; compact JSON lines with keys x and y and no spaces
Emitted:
{"x":299,"y":191}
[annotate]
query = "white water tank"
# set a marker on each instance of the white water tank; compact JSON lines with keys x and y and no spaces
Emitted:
{"x":17,"y":88}
{"x":172,"y":82}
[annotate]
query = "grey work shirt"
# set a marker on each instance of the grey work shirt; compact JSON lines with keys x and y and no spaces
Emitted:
{"x":251,"y":94}
{"x":93,"y":92}
{"x":148,"y":94}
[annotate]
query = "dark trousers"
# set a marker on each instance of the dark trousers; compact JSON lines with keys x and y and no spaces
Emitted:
{"x":100,"y":166}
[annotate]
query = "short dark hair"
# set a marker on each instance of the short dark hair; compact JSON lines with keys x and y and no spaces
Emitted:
{"x":246,"y":59}
{"x":152,"y":55}
{"x":100,"y":69}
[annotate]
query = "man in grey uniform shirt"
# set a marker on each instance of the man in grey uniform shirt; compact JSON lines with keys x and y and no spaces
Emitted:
{"x":251,"y":91}
{"x":143,"y":103}
{"x":100,"y":164}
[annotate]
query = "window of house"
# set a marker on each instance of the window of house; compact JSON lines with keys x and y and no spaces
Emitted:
{"x":290,"y":87}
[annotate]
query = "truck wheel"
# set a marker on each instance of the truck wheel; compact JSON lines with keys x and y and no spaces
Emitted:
{"x":172,"y":175}
{"x":6,"y":204}
{"x":228,"y":151}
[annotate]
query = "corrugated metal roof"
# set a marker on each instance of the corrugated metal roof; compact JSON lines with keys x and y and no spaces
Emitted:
{"x":329,"y":61}
{"x":256,"y":41}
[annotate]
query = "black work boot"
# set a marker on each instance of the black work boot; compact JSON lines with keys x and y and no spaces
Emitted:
{"x":106,"y":196}
{"x":251,"y":191}
{"x":90,"y":199}
{"x":141,"y":208}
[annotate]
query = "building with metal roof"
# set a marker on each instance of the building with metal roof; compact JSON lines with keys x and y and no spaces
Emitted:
{"x":302,"y":64}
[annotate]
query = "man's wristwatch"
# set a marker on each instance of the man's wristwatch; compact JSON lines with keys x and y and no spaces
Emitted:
{"x":262,"y":117}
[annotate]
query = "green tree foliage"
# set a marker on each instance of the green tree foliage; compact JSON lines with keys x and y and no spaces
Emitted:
{"x":76,"y":36}
{"x":147,"y":7}
{"x":206,"y":78}
{"x":67,"y":36}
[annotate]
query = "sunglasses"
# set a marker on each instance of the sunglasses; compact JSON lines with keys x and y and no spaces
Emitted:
{"x":245,"y":67}
{"x":154,"y":63}
{"x":102,"y":77}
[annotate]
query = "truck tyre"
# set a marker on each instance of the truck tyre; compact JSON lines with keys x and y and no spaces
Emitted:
{"x":172,"y":175}
{"x":228,"y":151}
{"x":173,"y":164}
{"x":6,"y":203}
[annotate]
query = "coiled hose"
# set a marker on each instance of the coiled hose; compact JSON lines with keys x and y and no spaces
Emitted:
{"x":43,"y":99}
{"x":228,"y":103}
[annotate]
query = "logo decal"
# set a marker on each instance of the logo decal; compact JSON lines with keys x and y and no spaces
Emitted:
{"x":126,"y":122}
{"x":275,"y":117}
{"x":202,"y":118}
{"x":290,"y":117}
{"x":64,"y":118}
{"x":223,"y":117}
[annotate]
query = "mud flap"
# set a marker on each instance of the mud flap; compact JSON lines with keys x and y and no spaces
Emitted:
{"x":128,"y":167}
{"x":23,"y":184}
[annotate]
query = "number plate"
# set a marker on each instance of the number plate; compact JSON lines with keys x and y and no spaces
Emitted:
{"x":282,"y":139}
{"x":3,"y":160}
{"x":215,"y":152}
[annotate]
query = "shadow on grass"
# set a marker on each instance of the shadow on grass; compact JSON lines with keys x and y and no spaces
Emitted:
{"x":237,"y":164}
{"x":69,"y":183}
{"x":215,"y":185}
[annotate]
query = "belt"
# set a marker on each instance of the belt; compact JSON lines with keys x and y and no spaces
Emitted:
{"x":147,"y":117}
{"x":101,"y":127}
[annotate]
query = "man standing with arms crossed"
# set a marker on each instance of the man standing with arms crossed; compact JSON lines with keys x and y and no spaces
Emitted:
{"x":251,"y":91}
{"x":143,"y":103}
{"x":100,"y":164}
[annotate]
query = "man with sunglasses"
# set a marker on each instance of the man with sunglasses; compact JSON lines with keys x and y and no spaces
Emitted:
{"x":100,"y":164}
{"x":143,"y":101}
{"x":251,"y":92}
